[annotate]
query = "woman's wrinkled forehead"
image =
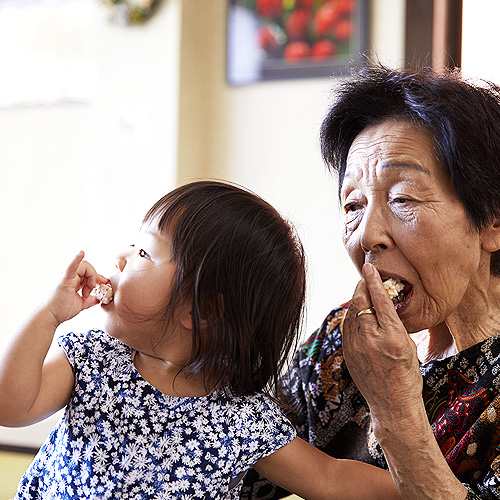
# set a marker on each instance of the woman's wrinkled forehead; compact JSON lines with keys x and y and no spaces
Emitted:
{"x":390,"y":146}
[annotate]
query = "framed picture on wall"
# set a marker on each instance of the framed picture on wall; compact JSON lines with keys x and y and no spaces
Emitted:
{"x":278,"y":39}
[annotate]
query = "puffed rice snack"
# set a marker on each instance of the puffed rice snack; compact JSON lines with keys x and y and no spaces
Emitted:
{"x":103,"y":293}
{"x":393,"y":287}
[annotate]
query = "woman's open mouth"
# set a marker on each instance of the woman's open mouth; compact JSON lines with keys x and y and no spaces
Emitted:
{"x":399,"y":291}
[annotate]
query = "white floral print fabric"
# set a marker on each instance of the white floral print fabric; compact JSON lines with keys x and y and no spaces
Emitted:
{"x":121,"y":438}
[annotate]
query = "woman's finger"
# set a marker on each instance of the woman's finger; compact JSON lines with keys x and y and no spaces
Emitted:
{"x":363,"y":302}
{"x":361,"y":297}
{"x":353,"y":305}
{"x":384,"y":307}
{"x":354,"y":325}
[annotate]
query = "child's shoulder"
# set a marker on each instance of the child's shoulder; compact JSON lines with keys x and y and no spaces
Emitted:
{"x":256,"y":426}
{"x":93,"y":344}
{"x":251,"y":407}
{"x":93,"y":338}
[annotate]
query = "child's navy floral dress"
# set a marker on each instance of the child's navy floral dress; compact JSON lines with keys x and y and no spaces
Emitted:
{"x":121,"y":438}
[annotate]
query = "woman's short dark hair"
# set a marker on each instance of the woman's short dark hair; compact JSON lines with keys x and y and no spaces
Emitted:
{"x":242,"y":267}
{"x":463,"y":119}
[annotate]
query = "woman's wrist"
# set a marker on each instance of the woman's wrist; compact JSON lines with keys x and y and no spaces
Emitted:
{"x":415,"y":460}
{"x":401,"y":423}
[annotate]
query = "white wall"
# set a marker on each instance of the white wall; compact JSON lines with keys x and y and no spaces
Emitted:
{"x":266,"y":137}
{"x":80,"y":173}
{"x":88,"y":141}
{"x":480,"y":40}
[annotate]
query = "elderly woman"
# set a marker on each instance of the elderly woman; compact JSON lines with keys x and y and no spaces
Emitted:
{"x":411,"y":384}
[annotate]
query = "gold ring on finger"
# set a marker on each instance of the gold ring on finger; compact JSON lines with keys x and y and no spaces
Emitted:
{"x":369,"y":310}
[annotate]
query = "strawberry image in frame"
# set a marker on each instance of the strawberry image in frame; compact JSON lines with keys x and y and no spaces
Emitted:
{"x":323,"y":49}
{"x":269,"y":8}
{"x":297,"y":51}
{"x":297,"y":23}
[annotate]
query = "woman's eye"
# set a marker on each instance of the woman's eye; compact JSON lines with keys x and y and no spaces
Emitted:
{"x":351,"y":207}
{"x":352,"y":212}
{"x":143,"y":253}
{"x":400,"y":200}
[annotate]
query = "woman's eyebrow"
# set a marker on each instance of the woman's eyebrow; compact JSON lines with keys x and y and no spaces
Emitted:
{"x":389,"y":164}
{"x":414,"y":166}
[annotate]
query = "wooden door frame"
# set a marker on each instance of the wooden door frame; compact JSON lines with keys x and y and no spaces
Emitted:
{"x":433,"y":35}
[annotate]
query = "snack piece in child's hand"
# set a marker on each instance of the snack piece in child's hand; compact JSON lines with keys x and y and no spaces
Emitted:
{"x":393,"y":288}
{"x":103,"y":293}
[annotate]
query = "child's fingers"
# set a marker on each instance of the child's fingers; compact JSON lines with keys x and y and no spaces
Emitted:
{"x":73,"y":267}
{"x":88,"y":275}
{"x":89,"y":302}
{"x":86,"y":290}
{"x":92,"y":283}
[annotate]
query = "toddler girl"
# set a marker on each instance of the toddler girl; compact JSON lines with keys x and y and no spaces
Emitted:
{"x":178,"y":397}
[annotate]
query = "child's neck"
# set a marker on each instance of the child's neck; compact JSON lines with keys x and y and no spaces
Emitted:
{"x":168,"y":377}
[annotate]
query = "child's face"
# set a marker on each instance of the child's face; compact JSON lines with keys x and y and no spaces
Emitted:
{"x":142,"y":288}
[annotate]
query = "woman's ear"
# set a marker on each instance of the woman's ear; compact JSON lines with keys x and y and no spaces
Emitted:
{"x":490,"y":236}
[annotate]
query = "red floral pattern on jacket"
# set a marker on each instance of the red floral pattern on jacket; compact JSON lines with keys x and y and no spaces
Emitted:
{"x":460,"y":393}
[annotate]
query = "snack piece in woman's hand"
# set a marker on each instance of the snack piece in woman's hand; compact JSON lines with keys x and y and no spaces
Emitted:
{"x":103,"y":293}
{"x":393,"y":288}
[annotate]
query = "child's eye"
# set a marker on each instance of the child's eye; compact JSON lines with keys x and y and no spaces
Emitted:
{"x":143,"y":253}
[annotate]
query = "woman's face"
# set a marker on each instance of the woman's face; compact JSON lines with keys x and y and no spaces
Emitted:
{"x":402,"y":215}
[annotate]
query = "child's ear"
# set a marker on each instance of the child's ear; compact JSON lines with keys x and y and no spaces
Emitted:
{"x":186,"y":320}
{"x":215,"y":309}
{"x":490,"y":236}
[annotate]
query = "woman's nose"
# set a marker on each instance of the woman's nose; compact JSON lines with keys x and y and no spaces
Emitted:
{"x":375,"y":233}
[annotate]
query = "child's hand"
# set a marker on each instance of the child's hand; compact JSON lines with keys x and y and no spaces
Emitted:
{"x":66,"y":301}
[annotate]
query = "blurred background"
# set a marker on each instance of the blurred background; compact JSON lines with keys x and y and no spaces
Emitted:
{"x":101,"y":114}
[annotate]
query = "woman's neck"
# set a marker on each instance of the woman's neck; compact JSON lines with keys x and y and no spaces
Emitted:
{"x":436,"y":343}
{"x":476,"y":319}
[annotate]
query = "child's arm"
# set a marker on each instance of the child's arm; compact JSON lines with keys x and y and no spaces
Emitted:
{"x":31,"y":386}
{"x":302,"y":469}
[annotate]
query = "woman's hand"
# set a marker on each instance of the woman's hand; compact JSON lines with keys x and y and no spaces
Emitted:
{"x":380,"y":355}
{"x":66,"y":302}
{"x":382,"y":360}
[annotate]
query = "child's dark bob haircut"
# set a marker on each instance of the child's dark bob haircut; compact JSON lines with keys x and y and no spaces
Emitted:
{"x":242,"y":267}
